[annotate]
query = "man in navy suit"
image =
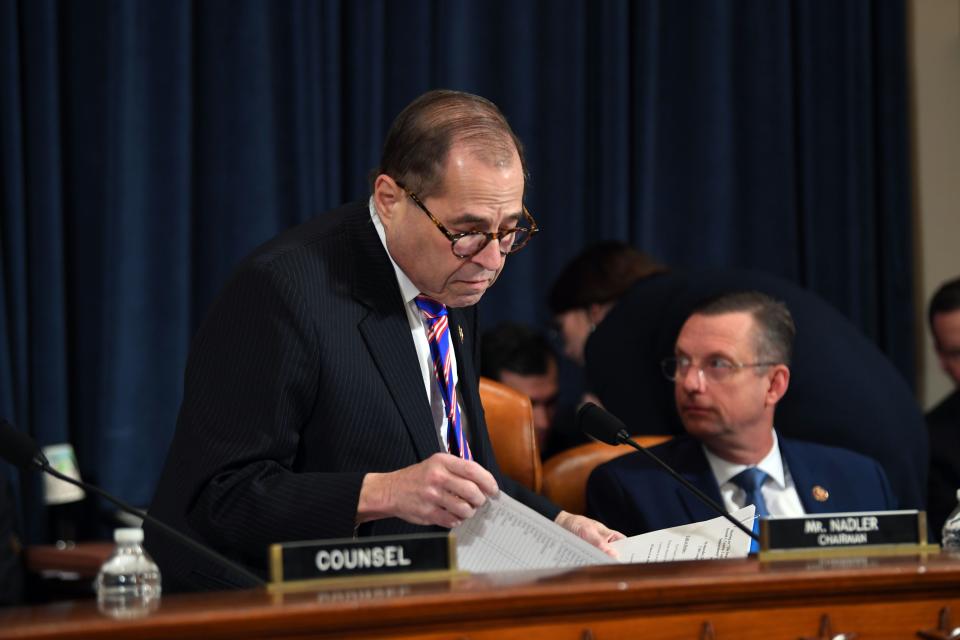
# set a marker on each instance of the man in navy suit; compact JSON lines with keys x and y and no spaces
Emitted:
{"x":620,"y":314}
{"x":312,"y":404}
{"x":730,"y":368}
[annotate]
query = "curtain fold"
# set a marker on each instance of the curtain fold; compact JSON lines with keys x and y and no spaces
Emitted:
{"x":146,"y":147}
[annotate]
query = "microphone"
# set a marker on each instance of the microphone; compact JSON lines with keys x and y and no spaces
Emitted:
{"x":606,"y":427}
{"x":20,"y":450}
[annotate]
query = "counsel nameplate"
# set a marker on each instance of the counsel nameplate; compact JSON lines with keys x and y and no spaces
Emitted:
{"x":872,"y":529}
{"x":354,"y":557}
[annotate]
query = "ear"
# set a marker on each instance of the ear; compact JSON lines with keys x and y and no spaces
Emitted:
{"x":779,"y":381}
{"x":387,"y":195}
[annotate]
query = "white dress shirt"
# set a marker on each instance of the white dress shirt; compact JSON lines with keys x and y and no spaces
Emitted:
{"x":778,"y":489}
{"x":419,"y":330}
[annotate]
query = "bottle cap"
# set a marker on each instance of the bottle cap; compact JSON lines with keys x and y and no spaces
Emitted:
{"x":128,"y":535}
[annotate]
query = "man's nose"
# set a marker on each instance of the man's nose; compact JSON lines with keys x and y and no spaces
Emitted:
{"x":693,"y":379}
{"x":490,"y":257}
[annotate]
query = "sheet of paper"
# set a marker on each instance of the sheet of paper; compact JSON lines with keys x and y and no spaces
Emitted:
{"x":710,"y":539}
{"x":505,"y":535}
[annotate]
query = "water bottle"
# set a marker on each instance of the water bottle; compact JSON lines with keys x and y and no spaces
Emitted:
{"x":128,"y":585}
{"x":950,"y":536}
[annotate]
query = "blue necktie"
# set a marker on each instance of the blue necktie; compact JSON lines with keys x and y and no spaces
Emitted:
{"x":438,"y":335}
{"x":751,"y":480}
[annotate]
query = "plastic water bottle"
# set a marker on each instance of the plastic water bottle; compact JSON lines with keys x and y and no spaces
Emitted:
{"x":950,"y":536}
{"x":128,"y":585}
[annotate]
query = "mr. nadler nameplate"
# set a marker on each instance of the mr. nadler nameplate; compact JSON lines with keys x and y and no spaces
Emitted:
{"x":830,"y":530}
{"x":315,"y":559}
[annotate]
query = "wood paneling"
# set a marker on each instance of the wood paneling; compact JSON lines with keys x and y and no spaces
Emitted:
{"x":887,"y":597}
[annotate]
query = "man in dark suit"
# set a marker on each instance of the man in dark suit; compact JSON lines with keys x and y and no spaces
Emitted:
{"x":331,"y":390}
{"x":730,"y":368}
{"x":943,"y":421}
{"x":626,"y":311}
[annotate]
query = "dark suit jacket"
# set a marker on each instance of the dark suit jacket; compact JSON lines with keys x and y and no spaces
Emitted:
{"x":634,"y":496}
{"x":943,"y":421}
{"x":843,"y":390}
{"x":303,"y":378}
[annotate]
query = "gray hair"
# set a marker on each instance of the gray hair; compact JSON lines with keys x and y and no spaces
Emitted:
{"x":421,"y":136}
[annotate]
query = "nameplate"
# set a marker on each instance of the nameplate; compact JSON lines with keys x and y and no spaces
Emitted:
{"x":361,"y":557}
{"x":867,"y":529}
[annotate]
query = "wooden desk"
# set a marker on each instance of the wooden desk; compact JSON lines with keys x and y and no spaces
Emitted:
{"x":890,"y":597}
{"x":82,"y":561}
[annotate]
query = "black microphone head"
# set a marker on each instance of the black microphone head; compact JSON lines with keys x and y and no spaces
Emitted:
{"x":600,"y":424}
{"x":16,"y":447}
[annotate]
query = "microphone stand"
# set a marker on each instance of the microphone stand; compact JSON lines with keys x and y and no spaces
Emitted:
{"x":624,"y":438}
{"x":41,"y":462}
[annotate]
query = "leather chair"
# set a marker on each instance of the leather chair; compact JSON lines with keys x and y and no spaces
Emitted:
{"x":565,"y":474}
{"x":509,"y":417}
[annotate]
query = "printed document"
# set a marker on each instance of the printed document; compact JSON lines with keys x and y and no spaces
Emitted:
{"x":505,"y":535}
{"x":714,"y":539}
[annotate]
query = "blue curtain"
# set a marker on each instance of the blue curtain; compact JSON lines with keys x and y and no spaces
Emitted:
{"x":145,"y":147}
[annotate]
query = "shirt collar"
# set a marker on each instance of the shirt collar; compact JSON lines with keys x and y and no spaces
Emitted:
{"x":408,"y":290}
{"x":772,"y":464}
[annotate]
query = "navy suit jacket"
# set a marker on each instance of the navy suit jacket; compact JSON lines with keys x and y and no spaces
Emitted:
{"x":633,"y":495}
{"x":302,"y":378}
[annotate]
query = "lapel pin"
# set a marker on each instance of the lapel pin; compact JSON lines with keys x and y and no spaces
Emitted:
{"x":820,"y":494}
{"x":460,"y":331}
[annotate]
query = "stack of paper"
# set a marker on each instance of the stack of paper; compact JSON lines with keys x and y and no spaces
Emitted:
{"x":505,"y":535}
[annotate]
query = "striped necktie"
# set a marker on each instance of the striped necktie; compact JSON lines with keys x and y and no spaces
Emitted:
{"x":751,"y":481}
{"x":438,"y":335}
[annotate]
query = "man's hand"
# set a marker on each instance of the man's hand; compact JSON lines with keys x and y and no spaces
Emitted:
{"x":596,"y":533}
{"x":442,"y":490}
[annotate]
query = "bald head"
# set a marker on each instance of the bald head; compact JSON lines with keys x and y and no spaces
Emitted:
{"x":419,"y":141}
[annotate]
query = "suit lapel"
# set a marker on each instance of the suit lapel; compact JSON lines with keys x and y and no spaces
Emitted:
{"x":695,"y":468}
{"x":805,"y":481}
{"x":386,"y":332}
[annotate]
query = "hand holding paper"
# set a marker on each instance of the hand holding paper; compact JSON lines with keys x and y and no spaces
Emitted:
{"x":505,"y":535}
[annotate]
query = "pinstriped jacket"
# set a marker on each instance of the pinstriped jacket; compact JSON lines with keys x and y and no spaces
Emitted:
{"x":301,"y":379}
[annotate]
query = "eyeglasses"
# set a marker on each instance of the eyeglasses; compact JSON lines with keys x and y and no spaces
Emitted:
{"x":714,"y":369}
{"x":470,"y":243}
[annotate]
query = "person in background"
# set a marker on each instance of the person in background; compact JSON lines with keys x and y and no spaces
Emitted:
{"x":590,"y":286}
{"x":621,"y":312}
{"x":943,"y":421}
{"x":522,"y":358}
{"x":730,"y":368}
